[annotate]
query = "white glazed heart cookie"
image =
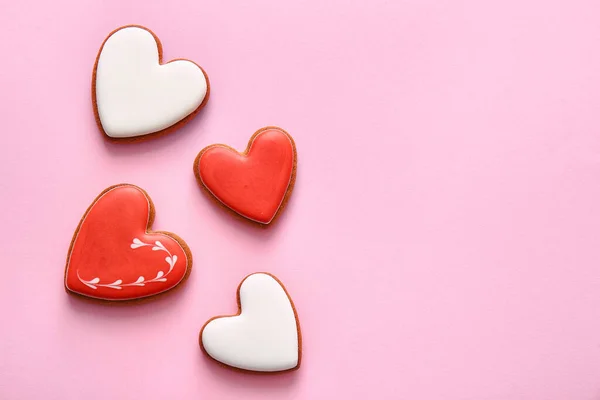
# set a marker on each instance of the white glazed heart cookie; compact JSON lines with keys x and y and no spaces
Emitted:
{"x":135,"y":95}
{"x":265,"y":334}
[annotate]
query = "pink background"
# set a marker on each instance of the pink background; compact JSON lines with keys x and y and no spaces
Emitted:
{"x":442,"y":240}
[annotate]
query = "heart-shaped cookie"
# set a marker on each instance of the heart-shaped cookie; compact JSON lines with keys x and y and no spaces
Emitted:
{"x":135,"y":95}
{"x":113,"y":255}
{"x":265,"y":334}
{"x":255,"y":184}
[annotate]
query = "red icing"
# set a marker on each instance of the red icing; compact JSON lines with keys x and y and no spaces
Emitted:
{"x":102,"y":249}
{"x":252,"y":184}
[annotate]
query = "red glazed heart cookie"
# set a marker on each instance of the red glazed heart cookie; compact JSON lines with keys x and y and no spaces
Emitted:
{"x":113,"y":256}
{"x":255,"y":184}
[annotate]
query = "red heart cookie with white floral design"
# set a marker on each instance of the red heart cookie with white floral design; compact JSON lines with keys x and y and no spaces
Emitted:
{"x":113,"y":255}
{"x":256,"y":183}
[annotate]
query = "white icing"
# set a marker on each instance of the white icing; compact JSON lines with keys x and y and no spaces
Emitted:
{"x":135,"y":95}
{"x":141,"y":281}
{"x":264,"y":337}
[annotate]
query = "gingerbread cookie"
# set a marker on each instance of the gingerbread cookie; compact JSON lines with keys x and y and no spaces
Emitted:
{"x":256,"y":183}
{"x":264,"y":336}
{"x":135,"y":95}
{"x":115,"y":257}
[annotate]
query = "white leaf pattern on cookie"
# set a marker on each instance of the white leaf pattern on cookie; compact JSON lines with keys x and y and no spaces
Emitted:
{"x":118,"y":284}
